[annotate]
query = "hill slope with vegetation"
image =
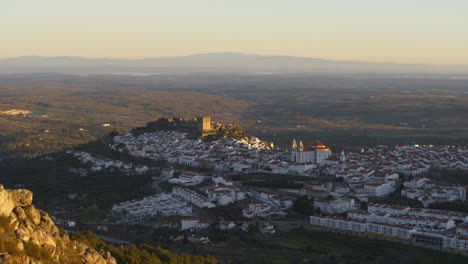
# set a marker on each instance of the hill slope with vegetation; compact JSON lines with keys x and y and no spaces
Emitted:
{"x":29,"y":235}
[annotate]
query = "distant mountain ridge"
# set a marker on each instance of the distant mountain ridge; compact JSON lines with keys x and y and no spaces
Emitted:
{"x":205,"y":63}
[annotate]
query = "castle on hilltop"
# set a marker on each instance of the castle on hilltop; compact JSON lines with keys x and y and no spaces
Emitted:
{"x":197,"y":127}
{"x":315,"y":154}
{"x":204,"y":126}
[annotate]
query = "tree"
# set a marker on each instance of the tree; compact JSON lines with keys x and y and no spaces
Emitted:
{"x":303,"y":205}
{"x":364,"y":205}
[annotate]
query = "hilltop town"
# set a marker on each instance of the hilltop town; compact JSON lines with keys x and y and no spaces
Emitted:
{"x":346,"y":191}
{"x":210,"y":179}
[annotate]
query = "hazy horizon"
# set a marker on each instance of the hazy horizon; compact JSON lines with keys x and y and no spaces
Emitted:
{"x":415,"y":32}
{"x":225,"y":63}
{"x":220,"y":53}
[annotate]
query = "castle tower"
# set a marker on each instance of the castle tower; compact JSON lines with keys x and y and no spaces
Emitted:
{"x":301,"y":146}
{"x":203,"y":123}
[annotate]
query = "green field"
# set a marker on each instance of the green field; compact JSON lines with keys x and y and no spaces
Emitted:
{"x":307,"y":246}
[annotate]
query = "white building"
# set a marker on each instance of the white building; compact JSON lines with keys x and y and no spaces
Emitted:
{"x":223,"y":194}
{"x":419,"y":182}
{"x":360,"y":226}
{"x":391,"y":229}
{"x":188,"y":179}
{"x":240,"y":166}
{"x":335,"y":206}
{"x":309,"y":154}
{"x":193,"y":197}
{"x":276,"y":199}
{"x":341,"y":223}
{"x":458,"y":242}
{"x":191,"y":223}
{"x":361,"y":215}
{"x":226,"y":225}
{"x":462,"y":229}
{"x":281,"y":201}
{"x":267,"y":228}
{"x":163,"y":204}
{"x":257,"y":209}
{"x":405,"y":210}
{"x":378,"y":188}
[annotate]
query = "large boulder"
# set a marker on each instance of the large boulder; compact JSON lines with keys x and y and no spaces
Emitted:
{"x":47,"y":224}
{"x":23,"y":234}
{"x":6,"y":203}
{"x":14,"y":221}
{"x":20,"y":214}
{"x":5,"y":258}
{"x":22,"y":197}
{"x":92,"y":256}
{"x":33,"y":214}
{"x":108,"y":257}
{"x":43,"y":238}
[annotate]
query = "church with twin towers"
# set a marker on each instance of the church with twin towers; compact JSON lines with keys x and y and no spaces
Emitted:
{"x":315,"y":154}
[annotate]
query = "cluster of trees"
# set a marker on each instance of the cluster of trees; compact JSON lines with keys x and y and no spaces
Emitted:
{"x":275,"y":184}
{"x":304,"y":205}
{"x":396,"y":199}
{"x":454,"y":176}
{"x":269,"y":180}
{"x":51,"y":178}
{"x":452,"y":206}
{"x":231,"y":211}
{"x":142,"y":253}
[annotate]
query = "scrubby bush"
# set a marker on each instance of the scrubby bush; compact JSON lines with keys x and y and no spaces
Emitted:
{"x":142,"y":253}
{"x":37,"y":252}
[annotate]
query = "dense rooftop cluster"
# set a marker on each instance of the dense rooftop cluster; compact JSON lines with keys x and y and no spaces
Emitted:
{"x":97,"y":164}
{"x":176,"y":147}
{"x":163,"y":204}
{"x":408,"y":160}
{"x":376,"y":172}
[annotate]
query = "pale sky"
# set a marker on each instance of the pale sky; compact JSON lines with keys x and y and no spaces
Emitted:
{"x":407,"y":31}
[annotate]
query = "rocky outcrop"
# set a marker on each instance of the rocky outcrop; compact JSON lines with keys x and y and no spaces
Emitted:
{"x":21,"y":197}
{"x":6,"y":203}
{"x":28,"y":235}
